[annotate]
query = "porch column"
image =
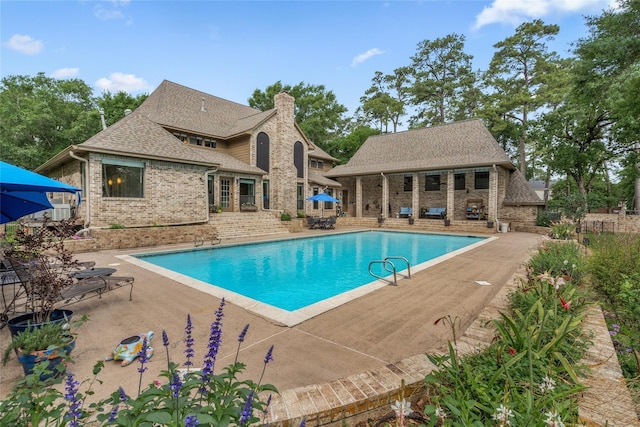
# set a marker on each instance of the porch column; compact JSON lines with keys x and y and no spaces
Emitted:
{"x":492,"y":215}
{"x":385,"y":196}
{"x":451,"y":185}
{"x":415,"y":195}
{"x":358,"y":197}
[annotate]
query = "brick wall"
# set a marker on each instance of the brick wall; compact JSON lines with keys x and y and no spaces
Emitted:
{"x":622,"y":223}
{"x":173,"y":193}
{"x":140,"y":237}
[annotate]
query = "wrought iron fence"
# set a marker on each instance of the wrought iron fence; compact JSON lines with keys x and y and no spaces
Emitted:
{"x":599,"y":226}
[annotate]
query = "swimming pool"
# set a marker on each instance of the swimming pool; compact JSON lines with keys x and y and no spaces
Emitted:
{"x":295,"y":277}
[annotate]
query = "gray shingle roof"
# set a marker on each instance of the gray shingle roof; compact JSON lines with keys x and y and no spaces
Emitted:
{"x":320,"y":179}
{"x":319,"y":153}
{"x":520,"y":192}
{"x":456,"y":145}
{"x":135,"y":135}
{"x":179,"y":107}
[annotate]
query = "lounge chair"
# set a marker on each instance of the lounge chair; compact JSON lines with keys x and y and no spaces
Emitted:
{"x":84,"y":282}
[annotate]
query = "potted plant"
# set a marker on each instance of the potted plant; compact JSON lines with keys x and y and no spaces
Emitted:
{"x":45,"y":346}
{"x":411,"y":220}
{"x":251,"y":207}
{"x":490,"y":223}
{"x":447,"y":222}
{"x":44,"y":265}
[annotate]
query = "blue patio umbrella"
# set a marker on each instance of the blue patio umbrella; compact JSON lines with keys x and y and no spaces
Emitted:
{"x":23,"y":192}
{"x":323,"y":197}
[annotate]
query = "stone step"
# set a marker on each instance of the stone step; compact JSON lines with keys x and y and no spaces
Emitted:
{"x":247,"y":224}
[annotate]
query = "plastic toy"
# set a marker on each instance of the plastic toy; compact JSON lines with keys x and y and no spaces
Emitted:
{"x":129,"y":348}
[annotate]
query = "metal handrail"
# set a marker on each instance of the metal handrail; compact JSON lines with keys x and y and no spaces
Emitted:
{"x":384,"y":263}
{"x":196,"y":239}
{"x":402,"y":259}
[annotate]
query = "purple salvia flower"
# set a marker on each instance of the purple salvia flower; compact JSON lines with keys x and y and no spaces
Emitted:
{"x":243,"y":333}
{"x":113,"y":414}
{"x":165,"y":343}
{"x":176,"y":384}
{"x":241,"y":340}
{"x":266,"y":407}
{"x":71,"y":395}
{"x":188,"y":342}
{"x":269,"y":355}
{"x":267,"y":359}
{"x":191,"y":421}
{"x":142,"y":355}
{"x":303,"y":423}
{"x":247,"y":410}
{"x":215,"y":339}
{"x":123,"y":395}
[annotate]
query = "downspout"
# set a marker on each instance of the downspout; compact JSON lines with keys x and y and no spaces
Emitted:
{"x":206,"y":188}
{"x":87,"y":220}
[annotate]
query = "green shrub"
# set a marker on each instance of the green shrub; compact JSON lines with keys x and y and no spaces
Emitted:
{"x":529,"y":374}
{"x":543,"y":219}
{"x":116,"y":226}
{"x":559,"y":259}
{"x":615,"y":256}
{"x":301,"y":214}
{"x":563,"y":230}
{"x":285,"y":216}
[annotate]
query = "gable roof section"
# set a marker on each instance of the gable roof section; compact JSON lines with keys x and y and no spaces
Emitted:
{"x":520,"y":192}
{"x":318,"y":178}
{"x":319,"y":153}
{"x":449,"y":146}
{"x":179,"y":107}
{"x":136,"y":136}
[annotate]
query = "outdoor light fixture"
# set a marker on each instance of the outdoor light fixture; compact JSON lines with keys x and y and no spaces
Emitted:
{"x":110,"y":181}
{"x":119,"y":180}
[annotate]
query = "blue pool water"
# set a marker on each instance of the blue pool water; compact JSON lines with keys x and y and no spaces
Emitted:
{"x":295,"y":273}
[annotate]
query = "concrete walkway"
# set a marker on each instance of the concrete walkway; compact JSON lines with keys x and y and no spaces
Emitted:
{"x":385,"y":326}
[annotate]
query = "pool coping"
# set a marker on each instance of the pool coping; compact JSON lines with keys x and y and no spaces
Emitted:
{"x":295,"y":317}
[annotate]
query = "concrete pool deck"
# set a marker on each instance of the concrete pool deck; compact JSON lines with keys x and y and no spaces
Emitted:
{"x":385,"y":326}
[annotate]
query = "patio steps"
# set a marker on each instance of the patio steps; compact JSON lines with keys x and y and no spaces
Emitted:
{"x":247,"y":224}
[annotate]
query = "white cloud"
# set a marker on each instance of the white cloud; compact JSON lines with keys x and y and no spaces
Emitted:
{"x":122,"y":82}
{"x":364,"y":56}
{"x":111,"y":11}
{"x":517,"y":11}
{"x":25,"y":44}
{"x":63,"y":73}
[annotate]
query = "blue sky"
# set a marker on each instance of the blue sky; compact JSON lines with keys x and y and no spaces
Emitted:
{"x":230,"y":48}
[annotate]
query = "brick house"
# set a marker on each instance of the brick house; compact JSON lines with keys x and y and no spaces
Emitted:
{"x":183,"y":154}
{"x":459,"y":167}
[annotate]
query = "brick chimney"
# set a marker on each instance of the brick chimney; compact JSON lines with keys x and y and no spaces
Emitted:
{"x":283,"y":172}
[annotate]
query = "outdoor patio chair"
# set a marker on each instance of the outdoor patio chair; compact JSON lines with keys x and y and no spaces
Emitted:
{"x":86,"y":282}
{"x":329,"y":223}
{"x":313,"y":222}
